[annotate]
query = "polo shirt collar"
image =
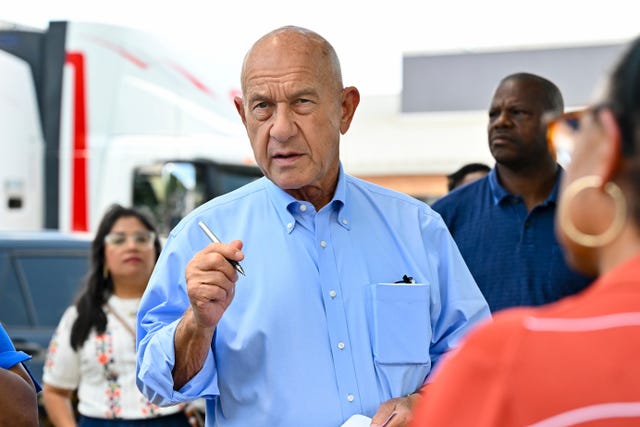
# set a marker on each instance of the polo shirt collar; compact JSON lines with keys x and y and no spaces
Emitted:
{"x":553,"y":197}
{"x":499,"y":193}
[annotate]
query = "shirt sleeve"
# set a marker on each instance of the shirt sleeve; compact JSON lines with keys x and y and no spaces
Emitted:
{"x":62,"y":365}
{"x":162,"y":306}
{"x":9,"y":356}
{"x":459,"y":305}
{"x":471,"y":385}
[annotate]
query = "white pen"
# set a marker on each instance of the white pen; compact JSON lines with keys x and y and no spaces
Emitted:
{"x":215,"y":239}
{"x":386,"y":422}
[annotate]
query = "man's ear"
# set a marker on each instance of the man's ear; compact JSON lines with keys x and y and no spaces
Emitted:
{"x":237,"y":101}
{"x":612,"y":149}
{"x":350,"y":101}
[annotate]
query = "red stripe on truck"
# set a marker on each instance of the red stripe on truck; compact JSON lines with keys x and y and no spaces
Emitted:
{"x":129,"y":56}
{"x":193,"y":79}
{"x":79,"y":199}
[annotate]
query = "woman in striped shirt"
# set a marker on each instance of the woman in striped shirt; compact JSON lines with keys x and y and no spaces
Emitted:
{"x":573,"y":362}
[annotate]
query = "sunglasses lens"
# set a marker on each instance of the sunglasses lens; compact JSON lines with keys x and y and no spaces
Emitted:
{"x":573,"y":122}
{"x":561,"y":135}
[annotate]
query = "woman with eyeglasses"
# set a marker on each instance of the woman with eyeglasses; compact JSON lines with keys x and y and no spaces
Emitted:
{"x":576,"y":361}
{"x":93,"y":348}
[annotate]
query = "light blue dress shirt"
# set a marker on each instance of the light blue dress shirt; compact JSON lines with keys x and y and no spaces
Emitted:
{"x":318,"y":330}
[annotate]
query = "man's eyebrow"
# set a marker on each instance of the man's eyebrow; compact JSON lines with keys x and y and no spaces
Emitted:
{"x":301,"y":93}
{"x":255,"y":97}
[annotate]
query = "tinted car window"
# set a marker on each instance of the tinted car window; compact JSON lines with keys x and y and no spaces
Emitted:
{"x":55,"y":292}
{"x":12,"y":302}
{"x":40,"y":275}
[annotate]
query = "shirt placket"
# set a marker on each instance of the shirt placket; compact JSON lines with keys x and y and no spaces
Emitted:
{"x":335,"y":311}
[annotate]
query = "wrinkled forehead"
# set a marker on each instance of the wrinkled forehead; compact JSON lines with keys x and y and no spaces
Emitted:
{"x":275,"y":54}
{"x":280,"y":52}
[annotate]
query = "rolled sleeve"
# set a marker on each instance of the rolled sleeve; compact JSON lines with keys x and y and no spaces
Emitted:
{"x":156,"y":359}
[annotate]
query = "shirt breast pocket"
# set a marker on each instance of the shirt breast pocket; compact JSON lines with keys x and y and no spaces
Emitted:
{"x":401,"y":323}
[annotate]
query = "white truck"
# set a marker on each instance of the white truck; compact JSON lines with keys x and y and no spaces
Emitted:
{"x":92,"y":114}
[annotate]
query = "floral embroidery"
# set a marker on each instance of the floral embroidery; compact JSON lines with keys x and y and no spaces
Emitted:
{"x":148,"y":408}
{"x":52,"y":350}
{"x":104,"y":363}
{"x":113,"y":390}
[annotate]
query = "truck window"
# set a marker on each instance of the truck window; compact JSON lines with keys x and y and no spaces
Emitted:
{"x":170,"y":190}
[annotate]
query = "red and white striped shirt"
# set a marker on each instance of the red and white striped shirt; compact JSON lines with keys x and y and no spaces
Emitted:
{"x":574,"y":362}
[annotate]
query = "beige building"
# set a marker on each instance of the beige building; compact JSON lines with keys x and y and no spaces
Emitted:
{"x":412,"y":152}
{"x":412,"y":140}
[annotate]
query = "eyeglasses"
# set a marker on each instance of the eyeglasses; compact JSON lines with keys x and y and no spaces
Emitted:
{"x":562,"y":131}
{"x":141,"y":238}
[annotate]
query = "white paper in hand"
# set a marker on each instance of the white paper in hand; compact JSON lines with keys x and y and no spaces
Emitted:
{"x":357,"y":421}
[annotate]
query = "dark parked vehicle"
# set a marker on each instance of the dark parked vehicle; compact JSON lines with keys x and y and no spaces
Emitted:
{"x":40,"y":275}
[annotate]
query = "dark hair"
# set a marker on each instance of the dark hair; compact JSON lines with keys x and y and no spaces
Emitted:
{"x":623,"y":98}
{"x":624,"y":90}
{"x":551,"y":96}
{"x":455,"y":179}
{"x":97,"y":288}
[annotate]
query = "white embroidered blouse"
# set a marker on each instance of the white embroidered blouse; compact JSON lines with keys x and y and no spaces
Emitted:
{"x":104,"y":369}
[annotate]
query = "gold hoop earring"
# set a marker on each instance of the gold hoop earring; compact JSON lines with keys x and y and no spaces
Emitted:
{"x":105,"y":273}
{"x":592,"y":240}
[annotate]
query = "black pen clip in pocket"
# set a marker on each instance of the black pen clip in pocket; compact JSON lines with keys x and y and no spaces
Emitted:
{"x":406,"y":279}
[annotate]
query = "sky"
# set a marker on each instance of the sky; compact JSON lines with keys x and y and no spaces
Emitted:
{"x":371,"y":37}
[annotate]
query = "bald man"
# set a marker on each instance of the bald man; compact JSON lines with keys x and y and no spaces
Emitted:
{"x":318,"y":330}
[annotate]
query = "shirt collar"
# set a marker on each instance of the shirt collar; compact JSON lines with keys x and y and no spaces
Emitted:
{"x":339,"y":201}
{"x":553,"y":197}
{"x":499,"y":193}
{"x":285,"y":204}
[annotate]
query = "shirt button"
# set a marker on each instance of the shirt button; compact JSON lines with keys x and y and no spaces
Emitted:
{"x":344,"y":221}
{"x":303,"y":208}
{"x":290,"y":225}
{"x":323,"y":244}
{"x":333,"y":293}
{"x":341,"y":345}
{"x":350,"y":397}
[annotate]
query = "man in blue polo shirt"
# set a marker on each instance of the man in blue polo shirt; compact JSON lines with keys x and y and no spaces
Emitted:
{"x":503,"y":223}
